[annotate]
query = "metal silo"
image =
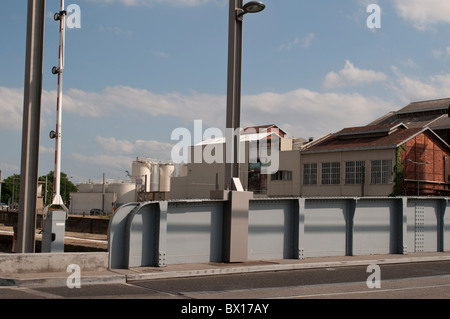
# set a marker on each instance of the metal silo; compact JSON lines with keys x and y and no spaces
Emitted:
{"x":166,"y":171}
{"x":154,"y":180}
{"x":141,"y":172}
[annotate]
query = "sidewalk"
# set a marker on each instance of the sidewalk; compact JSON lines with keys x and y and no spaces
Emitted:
{"x":101,"y":277}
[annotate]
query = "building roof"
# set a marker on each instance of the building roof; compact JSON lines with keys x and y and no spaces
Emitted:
{"x":431,"y":105}
{"x":243,"y":138}
{"x":263,"y":129}
{"x":370,"y":137}
{"x":432,"y":113}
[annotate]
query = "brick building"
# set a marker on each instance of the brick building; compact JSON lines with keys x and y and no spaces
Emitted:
{"x":376,"y":160}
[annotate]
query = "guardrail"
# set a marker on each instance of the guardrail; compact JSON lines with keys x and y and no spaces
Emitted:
{"x":178,"y":232}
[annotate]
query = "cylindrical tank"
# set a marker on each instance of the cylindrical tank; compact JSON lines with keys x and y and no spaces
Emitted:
{"x":85,"y":188}
{"x":125,"y":191}
{"x":141,"y":171}
{"x":98,"y":188}
{"x":182,"y":170}
{"x":154,"y":180}
{"x":165,"y":173}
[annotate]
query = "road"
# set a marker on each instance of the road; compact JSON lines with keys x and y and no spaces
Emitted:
{"x":428,"y":280}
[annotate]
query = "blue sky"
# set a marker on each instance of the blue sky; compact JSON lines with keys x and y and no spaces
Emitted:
{"x":138,"y":69}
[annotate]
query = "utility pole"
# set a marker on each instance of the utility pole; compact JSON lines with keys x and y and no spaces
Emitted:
{"x":31,"y":126}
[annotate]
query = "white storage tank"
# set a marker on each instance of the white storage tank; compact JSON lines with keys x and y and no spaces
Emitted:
{"x":154,"y":181}
{"x":86,"y":188}
{"x":98,"y":188}
{"x":165,"y":174}
{"x":141,"y":171}
{"x":182,"y":170}
{"x":125,"y":192}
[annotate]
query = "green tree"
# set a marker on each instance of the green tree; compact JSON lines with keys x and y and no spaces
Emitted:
{"x":66,"y":187}
{"x":10,"y":187}
{"x":13,"y":182}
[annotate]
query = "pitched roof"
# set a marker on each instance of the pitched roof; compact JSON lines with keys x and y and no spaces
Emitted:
{"x":424,"y":106}
{"x":263,"y":128}
{"x":352,"y":139}
{"x":420,"y":114}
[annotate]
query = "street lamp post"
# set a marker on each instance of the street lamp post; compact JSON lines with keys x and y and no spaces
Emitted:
{"x":418,"y":164}
{"x":236,"y":17}
{"x":236,"y":214}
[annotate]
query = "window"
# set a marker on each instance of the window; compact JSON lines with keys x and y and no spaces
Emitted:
{"x":310,"y":174}
{"x":282,"y":176}
{"x":331,"y":173}
{"x":354,"y":172}
{"x":381,"y":172}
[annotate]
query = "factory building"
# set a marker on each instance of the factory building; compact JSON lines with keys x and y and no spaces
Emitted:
{"x":149,"y":180}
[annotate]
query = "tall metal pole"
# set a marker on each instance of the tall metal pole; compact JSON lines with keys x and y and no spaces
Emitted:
{"x":233,"y":92}
{"x":57,"y":199}
{"x":31,"y":126}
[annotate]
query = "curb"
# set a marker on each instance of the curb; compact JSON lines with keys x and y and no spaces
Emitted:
{"x":59,"y":279}
{"x":278,"y":267}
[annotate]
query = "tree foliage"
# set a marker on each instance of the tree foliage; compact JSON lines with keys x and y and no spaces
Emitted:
{"x":67,"y":187}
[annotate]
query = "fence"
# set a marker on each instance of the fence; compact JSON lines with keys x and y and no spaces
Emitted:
{"x":178,"y":232}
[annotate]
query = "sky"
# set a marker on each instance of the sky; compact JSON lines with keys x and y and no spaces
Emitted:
{"x":136,"y":70}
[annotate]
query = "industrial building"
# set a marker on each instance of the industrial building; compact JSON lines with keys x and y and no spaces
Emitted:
{"x":256,"y":142}
{"x":405,"y":152}
{"x":149,"y":180}
{"x":402,"y":153}
{"x":376,"y":160}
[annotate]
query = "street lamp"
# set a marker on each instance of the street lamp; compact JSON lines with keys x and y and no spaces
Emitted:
{"x":417,"y":172}
{"x":236,"y":212}
{"x":236,"y":17}
{"x":249,"y":7}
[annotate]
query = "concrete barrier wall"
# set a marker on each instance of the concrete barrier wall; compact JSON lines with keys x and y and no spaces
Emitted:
{"x":52,"y":262}
{"x":177,"y":232}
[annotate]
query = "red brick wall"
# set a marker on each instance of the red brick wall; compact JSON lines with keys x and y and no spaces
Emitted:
{"x":425,"y":147}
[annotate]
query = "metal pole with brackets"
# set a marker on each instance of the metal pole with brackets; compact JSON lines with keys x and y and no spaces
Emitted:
{"x":56,"y":213}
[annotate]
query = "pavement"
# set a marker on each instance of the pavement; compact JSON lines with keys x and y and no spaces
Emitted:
{"x":110,"y":276}
{"x":55,"y":279}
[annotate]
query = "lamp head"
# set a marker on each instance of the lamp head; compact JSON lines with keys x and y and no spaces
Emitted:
{"x":253,"y":7}
{"x":249,"y":7}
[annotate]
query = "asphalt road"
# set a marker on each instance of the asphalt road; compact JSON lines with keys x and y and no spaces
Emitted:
{"x":428,"y":280}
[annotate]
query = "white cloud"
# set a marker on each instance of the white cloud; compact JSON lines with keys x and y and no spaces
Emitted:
{"x":102,"y":161}
{"x":437,"y":53}
{"x":424,"y":13}
{"x":146,"y":148}
{"x":46,"y":150}
{"x":178,"y":3}
{"x":312,"y":113}
{"x":10,"y":107}
{"x":419,"y":89}
{"x":305,"y":43}
{"x":351,"y":76}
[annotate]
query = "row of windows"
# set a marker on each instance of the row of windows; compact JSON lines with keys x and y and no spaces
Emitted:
{"x":282,"y":176}
{"x":380,"y":173}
